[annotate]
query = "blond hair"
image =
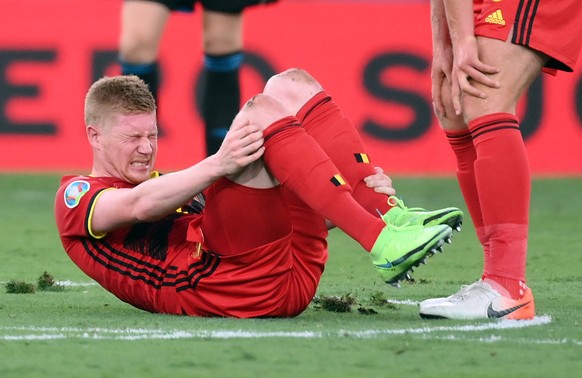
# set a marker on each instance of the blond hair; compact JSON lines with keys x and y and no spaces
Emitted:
{"x":125,"y":94}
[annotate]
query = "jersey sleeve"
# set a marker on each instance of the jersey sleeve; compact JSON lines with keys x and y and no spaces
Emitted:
{"x":74,"y":205}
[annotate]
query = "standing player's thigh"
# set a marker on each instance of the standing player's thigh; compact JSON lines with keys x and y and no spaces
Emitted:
{"x":518,"y":67}
{"x":222,"y":32}
{"x":142,"y":27}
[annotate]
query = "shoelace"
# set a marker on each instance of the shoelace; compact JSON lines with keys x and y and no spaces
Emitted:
{"x":465,"y":289}
{"x":395,"y":201}
{"x":392,"y":225}
{"x":403,"y":216}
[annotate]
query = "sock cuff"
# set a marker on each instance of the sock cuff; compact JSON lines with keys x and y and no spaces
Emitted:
{"x":277,"y":127}
{"x":456,"y":134}
{"x":320,"y":98}
{"x":224,"y":62}
{"x":492,"y":122}
{"x":138,"y":68}
{"x":459,"y":139}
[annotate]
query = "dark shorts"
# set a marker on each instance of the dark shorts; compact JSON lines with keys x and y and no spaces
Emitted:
{"x":223,"y":6}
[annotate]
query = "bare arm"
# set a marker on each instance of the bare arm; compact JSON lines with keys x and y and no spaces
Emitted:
{"x":467,"y":65}
{"x":156,"y":198}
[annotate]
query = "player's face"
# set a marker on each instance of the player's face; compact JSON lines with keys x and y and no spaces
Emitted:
{"x":130,"y":145}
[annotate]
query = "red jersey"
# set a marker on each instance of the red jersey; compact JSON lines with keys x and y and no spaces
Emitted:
{"x":138,"y":264}
{"x":157,"y":266}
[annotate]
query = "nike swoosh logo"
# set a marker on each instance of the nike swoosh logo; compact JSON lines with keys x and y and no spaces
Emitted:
{"x":437,"y":217}
{"x":401,"y":259}
{"x":493,"y":314}
{"x":387,"y":265}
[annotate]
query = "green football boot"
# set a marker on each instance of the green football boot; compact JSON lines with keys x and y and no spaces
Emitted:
{"x":400,"y":215}
{"x":399,"y":249}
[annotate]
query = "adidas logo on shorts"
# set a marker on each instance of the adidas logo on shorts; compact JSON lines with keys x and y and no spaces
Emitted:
{"x":495,"y":18}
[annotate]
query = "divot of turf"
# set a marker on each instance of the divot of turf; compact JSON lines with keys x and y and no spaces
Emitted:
{"x":19,"y":287}
{"x":46,"y":282}
{"x":335,"y":303}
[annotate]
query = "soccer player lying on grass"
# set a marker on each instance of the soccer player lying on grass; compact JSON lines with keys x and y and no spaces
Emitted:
{"x":257,"y":246}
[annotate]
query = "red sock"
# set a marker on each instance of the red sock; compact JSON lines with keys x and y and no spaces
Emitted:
{"x":300,"y":165}
{"x":515,"y":288}
{"x":337,"y":136}
{"x":504,"y":185}
{"x":462,"y":145}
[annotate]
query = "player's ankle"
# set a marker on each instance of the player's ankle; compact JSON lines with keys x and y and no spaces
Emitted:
{"x":510,"y":287}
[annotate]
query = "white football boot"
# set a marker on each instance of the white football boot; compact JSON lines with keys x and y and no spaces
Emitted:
{"x":479,"y":301}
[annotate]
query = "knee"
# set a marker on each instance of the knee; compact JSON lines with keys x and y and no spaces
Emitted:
{"x":262,"y":110}
{"x":452,"y":122}
{"x":448,"y":120}
{"x":263,"y":103}
{"x":222,"y":44}
{"x":137,"y":49}
{"x":293,"y":88}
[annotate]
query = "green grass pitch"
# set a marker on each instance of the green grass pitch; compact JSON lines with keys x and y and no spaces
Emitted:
{"x":83,"y":331}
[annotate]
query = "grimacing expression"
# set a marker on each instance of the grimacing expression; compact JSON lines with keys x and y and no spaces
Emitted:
{"x":130,"y":145}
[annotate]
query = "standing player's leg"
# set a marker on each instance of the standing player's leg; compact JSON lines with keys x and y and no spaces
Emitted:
{"x":223,"y":56}
{"x":220,"y":96}
{"x":142,"y":27}
{"x":503,"y":184}
{"x":459,"y":138}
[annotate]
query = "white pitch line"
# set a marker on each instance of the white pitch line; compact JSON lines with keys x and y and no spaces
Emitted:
{"x":65,"y":283}
{"x":48,"y":333}
{"x":71,"y":283}
{"x":407,"y":302}
{"x":497,"y":338}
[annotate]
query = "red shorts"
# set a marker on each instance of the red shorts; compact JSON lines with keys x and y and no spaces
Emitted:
{"x":276,"y":278}
{"x":551,"y":27}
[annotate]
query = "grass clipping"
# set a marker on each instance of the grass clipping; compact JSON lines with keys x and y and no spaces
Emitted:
{"x":345,"y":303}
{"x":46,"y":282}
